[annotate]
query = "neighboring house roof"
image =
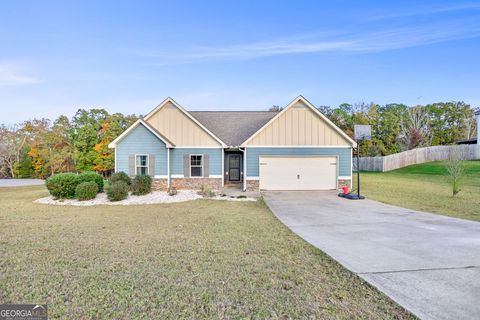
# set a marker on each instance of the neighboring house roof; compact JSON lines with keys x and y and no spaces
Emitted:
{"x":146,"y":125}
{"x":233,"y":127}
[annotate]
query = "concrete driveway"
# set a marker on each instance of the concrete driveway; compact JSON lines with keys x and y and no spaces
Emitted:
{"x":20,"y":182}
{"x":429,"y":264}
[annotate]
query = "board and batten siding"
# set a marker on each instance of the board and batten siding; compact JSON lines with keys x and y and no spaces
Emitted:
{"x":214,"y":157}
{"x":141,"y":141}
{"x":344,"y":157}
{"x":298,"y":125}
{"x":179,"y":128}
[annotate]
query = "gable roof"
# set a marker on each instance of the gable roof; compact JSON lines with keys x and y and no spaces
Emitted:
{"x":229,"y":128}
{"x":310,"y":106}
{"x":170,"y":100}
{"x":233,"y":127}
{"x":168,"y":143}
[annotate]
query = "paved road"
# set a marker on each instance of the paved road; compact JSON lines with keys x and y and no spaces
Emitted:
{"x":429,"y":264}
{"x":20,"y":182}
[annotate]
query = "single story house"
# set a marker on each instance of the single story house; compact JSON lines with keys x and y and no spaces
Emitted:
{"x":297,"y":148}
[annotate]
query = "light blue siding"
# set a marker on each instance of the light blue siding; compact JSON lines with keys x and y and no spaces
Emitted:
{"x":214,"y":156}
{"x":141,"y":141}
{"x":344,"y":155}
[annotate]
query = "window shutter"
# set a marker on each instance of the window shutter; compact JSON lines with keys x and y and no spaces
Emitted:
{"x":206,"y":166}
{"x":186,"y":166}
{"x":131,"y":165}
{"x":151,"y":165}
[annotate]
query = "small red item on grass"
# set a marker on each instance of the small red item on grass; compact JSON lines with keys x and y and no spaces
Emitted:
{"x":345,"y":190}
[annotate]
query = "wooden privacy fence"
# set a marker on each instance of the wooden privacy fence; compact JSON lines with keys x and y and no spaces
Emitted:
{"x":416,"y":156}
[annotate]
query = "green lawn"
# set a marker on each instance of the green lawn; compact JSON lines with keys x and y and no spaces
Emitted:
{"x":426,"y":187}
{"x":200,"y":259}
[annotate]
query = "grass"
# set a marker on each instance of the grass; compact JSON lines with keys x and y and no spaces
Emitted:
{"x":426,"y":187}
{"x":200,"y":259}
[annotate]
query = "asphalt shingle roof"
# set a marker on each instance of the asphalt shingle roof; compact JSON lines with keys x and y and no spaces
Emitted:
{"x":233,"y":127}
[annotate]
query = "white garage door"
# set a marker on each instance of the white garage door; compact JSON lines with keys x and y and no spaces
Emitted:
{"x":298,"y":173}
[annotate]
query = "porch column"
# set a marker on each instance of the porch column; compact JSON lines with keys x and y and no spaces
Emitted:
{"x":223,"y":167}
{"x":168,"y":168}
{"x":244,"y":169}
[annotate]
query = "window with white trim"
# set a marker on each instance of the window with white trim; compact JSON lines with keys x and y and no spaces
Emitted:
{"x":196,"y":165}
{"x":141,"y":164}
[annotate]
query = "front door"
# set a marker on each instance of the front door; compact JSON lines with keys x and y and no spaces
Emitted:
{"x":234,"y":167}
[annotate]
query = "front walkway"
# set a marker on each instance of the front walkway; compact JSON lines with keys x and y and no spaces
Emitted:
{"x":429,"y":264}
{"x":236,"y":191}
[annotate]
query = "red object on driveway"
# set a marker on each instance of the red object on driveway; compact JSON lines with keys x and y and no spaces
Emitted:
{"x":345,"y":190}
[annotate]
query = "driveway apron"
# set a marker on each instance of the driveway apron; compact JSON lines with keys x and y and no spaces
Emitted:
{"x":429,"y":264}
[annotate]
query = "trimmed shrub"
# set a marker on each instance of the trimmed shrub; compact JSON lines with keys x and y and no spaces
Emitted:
{"x":86,"y":190}
{"x":94,"y":177}
{"x":141,"y":185}
{"x":117,"y":191}
{"x":120,"y":176}
{"x":206,"y":191}
{"x":63,"y":185}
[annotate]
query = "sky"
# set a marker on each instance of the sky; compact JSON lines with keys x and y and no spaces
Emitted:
{"x":128,"y":56}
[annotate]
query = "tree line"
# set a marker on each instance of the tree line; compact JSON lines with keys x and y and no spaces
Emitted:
{"x":39,"y":148}
{"x":398,"y":127}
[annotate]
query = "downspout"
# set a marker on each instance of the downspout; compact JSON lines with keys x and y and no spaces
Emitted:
{"x":244,"y":168}
{"x":168,"y":168}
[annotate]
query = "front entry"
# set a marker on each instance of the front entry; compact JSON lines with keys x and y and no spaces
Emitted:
{"x":233,"y":167}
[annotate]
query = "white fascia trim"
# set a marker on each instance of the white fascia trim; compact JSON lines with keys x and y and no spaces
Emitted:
{"x":177,"y":176}
{"x":215,"y":176}
{"x":252,"y":178}
{"x":133,"y":126}
{"x":198,"y":147}
{"x":169,"y":99}
{"x":344,"y":177}
{"x":161,"y":176}
{"x":301,"y":146}
{"x":315,"y":110}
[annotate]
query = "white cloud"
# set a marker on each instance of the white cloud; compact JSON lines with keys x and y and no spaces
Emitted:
{"x":10,"y":76}
{"x":425,"y":11}
{"x":367,"y":41}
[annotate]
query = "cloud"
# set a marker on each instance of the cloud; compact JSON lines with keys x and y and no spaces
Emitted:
{"x":373,"y":41}
{"x":9,"y":76}
{"x":426,"y":11}
{"x":414,"y":37}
